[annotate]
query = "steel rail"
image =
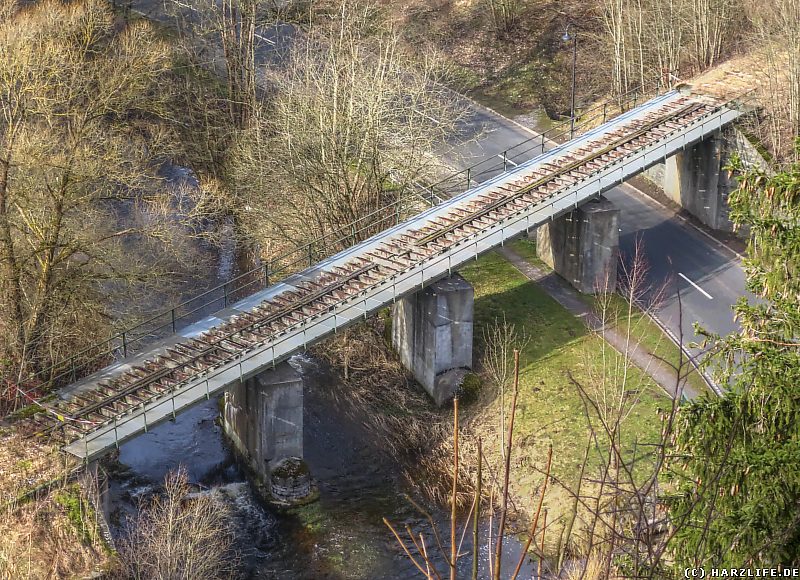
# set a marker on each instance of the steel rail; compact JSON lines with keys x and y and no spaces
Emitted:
{"x":214,"y":346}
{"x":294,"y":336}
{"x":126,"y":339}
{"x":293,"y":313}
{"x":551,"y":176}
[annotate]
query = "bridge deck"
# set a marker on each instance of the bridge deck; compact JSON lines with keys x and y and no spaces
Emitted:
{"x":126,"y":398}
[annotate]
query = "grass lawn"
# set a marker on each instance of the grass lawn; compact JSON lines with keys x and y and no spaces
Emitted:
{"x":550,"y":410}
{"x":647,"y":332}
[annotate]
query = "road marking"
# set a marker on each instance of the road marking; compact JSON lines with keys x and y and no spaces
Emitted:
{"x":192,"y":8}
{"x":703,"y":292}
{"x":418,"y":112}
{"x":267,"y":40}
{"x":506,"y":159}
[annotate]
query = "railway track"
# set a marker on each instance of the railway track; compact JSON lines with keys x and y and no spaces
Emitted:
{"x":72,"y":419}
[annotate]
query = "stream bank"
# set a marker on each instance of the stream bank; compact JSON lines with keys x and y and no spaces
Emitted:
{"x":341,"y":536}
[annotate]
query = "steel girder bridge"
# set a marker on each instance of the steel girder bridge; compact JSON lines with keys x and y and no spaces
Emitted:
{"x":254,"y":333}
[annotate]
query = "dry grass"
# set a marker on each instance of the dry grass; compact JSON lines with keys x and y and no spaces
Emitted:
{"x":26,"y":463}
{"x":54,"y":536}
{"x":51,"y":534}
{"x":379,"y":392}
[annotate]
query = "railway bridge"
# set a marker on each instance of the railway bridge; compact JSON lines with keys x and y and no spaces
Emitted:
{"x":412,"y":265}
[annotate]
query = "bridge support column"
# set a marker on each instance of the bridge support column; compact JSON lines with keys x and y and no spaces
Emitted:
{"x":263,"y":417}
{"x":583,"y":246}
{"x":432,"y":332}
{"x":696,"y":180}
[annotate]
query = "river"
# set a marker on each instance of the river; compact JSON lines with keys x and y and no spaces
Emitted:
{"x":340,"y":536}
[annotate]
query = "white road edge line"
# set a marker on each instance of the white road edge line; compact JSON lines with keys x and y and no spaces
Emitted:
{"x":506,"y":159}
{"x":192,"y":8}
{"x":265,"y":39}
{"x":418,"y":112}
{"x":685,"y":221}
{"x":703,"y":292}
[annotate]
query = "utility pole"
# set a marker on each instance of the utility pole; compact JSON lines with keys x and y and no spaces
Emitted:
{"x":574,"y":38}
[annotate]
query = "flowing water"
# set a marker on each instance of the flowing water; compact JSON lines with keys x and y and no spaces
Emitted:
{"x":340,"y":536}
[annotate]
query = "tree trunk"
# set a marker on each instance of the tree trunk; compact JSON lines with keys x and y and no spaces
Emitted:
{"x":10,"y":269}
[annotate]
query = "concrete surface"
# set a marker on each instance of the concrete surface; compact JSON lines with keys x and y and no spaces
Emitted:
{"x":263,"y":416}
{"x":697,"y":181}
{"x":432,"y":332}
{"x":583,"y":246}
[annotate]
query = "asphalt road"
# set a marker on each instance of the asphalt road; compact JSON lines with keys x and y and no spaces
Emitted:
{"x":701,"y":278}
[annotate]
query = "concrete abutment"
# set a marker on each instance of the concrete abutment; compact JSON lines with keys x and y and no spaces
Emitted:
{"x":432,"y":332}
{"x":582,"y":246}
{"x":696,"y":179}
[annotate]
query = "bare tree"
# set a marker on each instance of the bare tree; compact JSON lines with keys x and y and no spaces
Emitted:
{"x":225,"y":33}
{"x":712,"y":28}
{"x":778,"y":46}
{"x":505,"y":15}
{"x":173,"y":537}
{"x":619,"y":506}
{"x":81,"y":124}
{"x":355,"y":121}
{"x":500,"y":340}
{"x":648,"y":39}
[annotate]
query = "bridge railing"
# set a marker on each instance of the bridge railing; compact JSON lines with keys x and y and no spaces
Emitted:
{"x":167,"y":322}
{"x":557,"y":134}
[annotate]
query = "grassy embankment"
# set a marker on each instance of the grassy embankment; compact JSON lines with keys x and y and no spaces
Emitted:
{"x":55,"y":534}
{"x":550,"y":409}
{"x":648,"y":333}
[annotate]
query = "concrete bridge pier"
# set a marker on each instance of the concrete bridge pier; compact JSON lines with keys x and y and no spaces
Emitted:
{"x":696,"y":178}
{"x":263,"y":418}
{"x":697,"y":181}
{"x":432,"y":332}
{"x":583,"y":246}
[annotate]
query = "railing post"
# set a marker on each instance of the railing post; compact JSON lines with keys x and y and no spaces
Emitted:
{"x":310,"y":255}
{"x":266,"y":274}
{"x":468,"y":176}
{"x":124,"y":345}
{"x":505,"y":161}
{"x":605,"y":109}
{"x":172,"y":312}
{"x":433,"y":197}
{"x":542,"y":142}
{"x":225,"y":295}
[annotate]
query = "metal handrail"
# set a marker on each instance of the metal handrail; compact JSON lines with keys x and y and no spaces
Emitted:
{"x":306,"y":254}
{"x":297,"y":255}
{"x":292,"y":333}
{"x":563,"y":129}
